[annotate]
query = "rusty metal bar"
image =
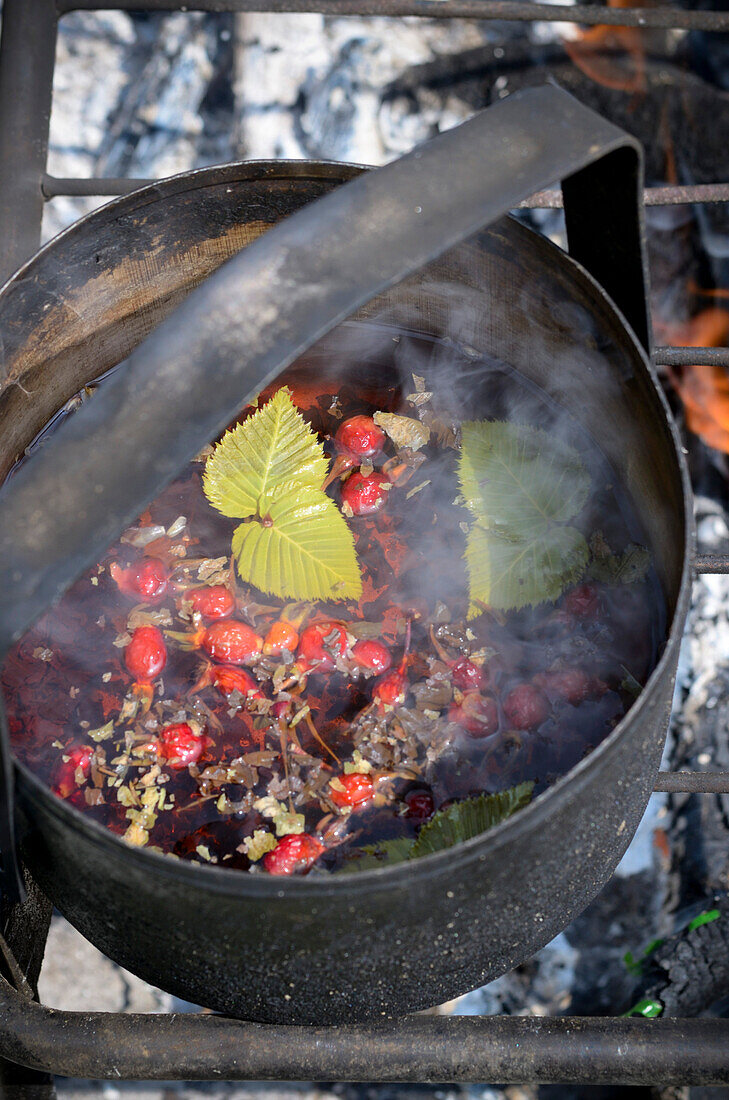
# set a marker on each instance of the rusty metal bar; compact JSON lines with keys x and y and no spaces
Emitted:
{"x":690,"y":357}
{"x":54,"y":186}
{"x":711,"y":563}
{"x":652,"y":196}
{"x":423,"y":1049}
{"x":692,"y":783}
{"x":664,"y":17}
{"x":27,"y":59}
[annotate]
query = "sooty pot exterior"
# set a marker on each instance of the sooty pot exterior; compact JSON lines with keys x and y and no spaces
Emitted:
{"x":389,"y":941}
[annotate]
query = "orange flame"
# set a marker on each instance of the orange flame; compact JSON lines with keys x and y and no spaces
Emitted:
{"x":611,"y":56}
{"x":704,"y":390}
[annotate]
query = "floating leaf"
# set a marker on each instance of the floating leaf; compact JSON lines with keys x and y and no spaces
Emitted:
{"x":273,"y":447}
{"x":627,"y":568}
{"x":404,"y":431}
{"x":268,"y":471}
{"x":379,"y":855}
{"x":303,"y":548}
{"x":516,"y":476}
{"x":513,"y":573}
{"x":521,"y":486}
{"x":458,"y":822}
{"x":463,"y":820}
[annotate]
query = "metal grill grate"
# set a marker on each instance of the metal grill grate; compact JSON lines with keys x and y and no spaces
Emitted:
{"x":427,"y":1050}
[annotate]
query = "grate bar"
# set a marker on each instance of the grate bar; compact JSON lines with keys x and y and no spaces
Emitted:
{"x":692,"y":783}
{"x":664,"y":17}
{"x":53,"y":186}
{"x":691,"y":357}
{"x":27,"y":59}
{"x":423,"y":1049}
{"x":711,"y":563}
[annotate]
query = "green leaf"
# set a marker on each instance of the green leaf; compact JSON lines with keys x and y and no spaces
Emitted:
{"x":268,"y":471}
{"x":522,"y":486}
{"x":516,"y":477}
{"x":302,"y":548}
{"x":379,"y":855}
{"x":627,"y":568}
{"x":510,"y":573}
{"x":463,"y":820}
{"x":273,"y":447}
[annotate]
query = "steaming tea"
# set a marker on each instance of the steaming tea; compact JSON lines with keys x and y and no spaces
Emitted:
{"x":402,"y":595}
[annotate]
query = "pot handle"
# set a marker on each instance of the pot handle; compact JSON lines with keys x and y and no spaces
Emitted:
{"x":272,"y":301}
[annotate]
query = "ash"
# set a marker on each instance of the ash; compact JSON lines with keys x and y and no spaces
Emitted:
{"x":151,"y":95}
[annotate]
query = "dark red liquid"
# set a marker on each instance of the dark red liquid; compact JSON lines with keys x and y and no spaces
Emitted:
{"x":66,"y":677}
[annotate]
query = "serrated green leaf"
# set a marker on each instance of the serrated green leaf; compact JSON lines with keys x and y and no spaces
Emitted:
{"x":273,"y":447}
{"x":463,"y":820}
{"x":379,"y":855}
{"x":516,"y":477}
{"x":302,"y":548}
{"x":627,"y":568}
{"x":521,"y":486}
{"x":510,"y":573}
{"x":295,"y":542}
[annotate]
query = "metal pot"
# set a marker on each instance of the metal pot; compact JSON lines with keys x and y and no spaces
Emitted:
{"x":397,"y":939}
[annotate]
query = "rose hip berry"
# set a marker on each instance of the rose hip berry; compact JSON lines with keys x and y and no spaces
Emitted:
{"x":572,"y":684}
{"x":360,"y":436}
{"x":420,"y":805}
{"x":477,"y":715}
{"x":320,"y":644}
{"x":372,"y":655}
{"x":293,"y":855}
{"x":364,"y":495}
{"x":228,"y":678}
{"x":582,"y":601}
{"x":146,"y":580}
{"x":355,"y":789}
{"x":467,"y":676}
{"x":232,"y":642}
{"x":79,"y":759}
{"x":281,"y":636}
{"x":213,"y":601}
{"x":146,"y":654}
{"x":180,"y":745}
{"x":526,"y":707}
{"x":391,"y":689}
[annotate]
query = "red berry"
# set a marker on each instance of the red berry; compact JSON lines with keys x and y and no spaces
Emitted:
{"x":228,"y":678}
{"x":571,"y":684}
{"x":420,"y":805}
{"x":372,"y":655}
{"x":364,"y":495}
{"x":281,"y":708}
{"x":581,"y":601}
{"x":232,"y":642}
{"x":320,"y":644}
{"x":358,"y":790}
{"x":391,"y":689}
{"x":293,"y":855}
{"x":526,"y":707}
{"x":478,"y":715}
{"x":180,"y":745}
{"x":146,"y":580}
{"x":146,"y":654}
{"x":361,"y":436}
{"x":214,"y":601}
{"x":281,"y":635}
{"x":467,"y":676}
{"x":79,"y":757}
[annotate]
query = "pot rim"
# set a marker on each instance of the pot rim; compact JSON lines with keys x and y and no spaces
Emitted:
{"x":227,"y":881}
